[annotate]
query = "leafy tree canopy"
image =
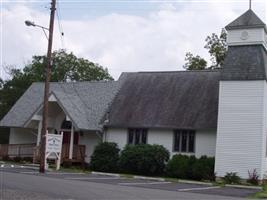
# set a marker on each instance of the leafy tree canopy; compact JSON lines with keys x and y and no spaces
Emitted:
{"x":217,"y":48}
{"x":66,"y":67}
{"x":194,"y":62}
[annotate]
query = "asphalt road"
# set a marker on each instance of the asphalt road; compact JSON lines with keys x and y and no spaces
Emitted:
{"x":31,"y":186}
{"x":21,"y":182}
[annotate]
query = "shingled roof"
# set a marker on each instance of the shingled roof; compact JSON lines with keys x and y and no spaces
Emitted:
{"x":246,"y":62}
{"x":84,"y":102}
{"x":183,"y":100}
{"x":248,"y":20}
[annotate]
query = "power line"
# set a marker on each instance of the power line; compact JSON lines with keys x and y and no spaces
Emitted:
{"x":61,"y":32}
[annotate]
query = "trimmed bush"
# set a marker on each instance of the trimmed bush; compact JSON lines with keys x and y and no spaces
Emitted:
{"x":189,"y":167}
{"x":105,"y":157}
{"x":144,"y":159}
{"x":203,"y":169}
{"x":179,"y":166}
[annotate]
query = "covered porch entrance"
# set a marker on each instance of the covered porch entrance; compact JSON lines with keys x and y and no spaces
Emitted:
{"x":74,"y":152}
{"x":59,"y":122}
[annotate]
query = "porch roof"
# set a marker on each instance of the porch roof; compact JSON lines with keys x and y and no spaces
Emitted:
{"x":84,"y":102}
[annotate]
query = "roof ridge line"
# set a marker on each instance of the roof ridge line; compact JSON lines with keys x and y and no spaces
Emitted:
{"x":181,"y":71}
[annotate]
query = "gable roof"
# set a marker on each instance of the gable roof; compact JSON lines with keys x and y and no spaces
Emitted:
{"x":84,"y":102}
{"x":246,"y":62}
{"x":247,"y":20}
{"x":183,"y":100}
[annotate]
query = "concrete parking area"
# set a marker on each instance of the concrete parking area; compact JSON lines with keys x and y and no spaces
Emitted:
{"x":138,"y":182}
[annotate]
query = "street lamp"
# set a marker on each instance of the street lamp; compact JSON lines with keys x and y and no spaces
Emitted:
{"x":30,"y":23}
{"x":47,"y":80}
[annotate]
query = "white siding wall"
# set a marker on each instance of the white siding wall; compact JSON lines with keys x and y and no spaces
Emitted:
{"x":161,"y":137}
{"x":205,"y":143}
{"x":264,"y":140}
{"x":205,"y":140}
{"x":118,"y":136}
{"x":90,"y":140}
{"x":241,"y":128}
{"x":22,"y":136}
{"x":255,"y":36}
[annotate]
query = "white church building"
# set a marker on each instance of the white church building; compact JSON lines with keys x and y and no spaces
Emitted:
{"x":220,"y":113}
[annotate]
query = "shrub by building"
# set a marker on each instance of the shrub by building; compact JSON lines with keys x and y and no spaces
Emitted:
{"x":190,"y":167}
{"x":144,"y":159}
{"x":105,"y":157}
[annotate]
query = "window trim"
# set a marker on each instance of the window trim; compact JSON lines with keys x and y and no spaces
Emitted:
{"x":141,"y":131}
{"x":188,"y":132}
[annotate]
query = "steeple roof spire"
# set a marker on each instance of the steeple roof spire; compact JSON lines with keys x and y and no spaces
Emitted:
{"x":248,"y":20}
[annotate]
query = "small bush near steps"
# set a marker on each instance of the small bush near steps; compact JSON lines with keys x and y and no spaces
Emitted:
{"x":105,"y":157}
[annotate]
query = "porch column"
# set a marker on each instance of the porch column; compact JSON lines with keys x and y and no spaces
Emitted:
{"x":71,"y":142}
{"x":39,"y":133}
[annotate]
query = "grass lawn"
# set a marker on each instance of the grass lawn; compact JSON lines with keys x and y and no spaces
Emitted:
{"x":262,"y":194}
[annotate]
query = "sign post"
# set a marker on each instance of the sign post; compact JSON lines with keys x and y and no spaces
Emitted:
{"x":53,"y":148}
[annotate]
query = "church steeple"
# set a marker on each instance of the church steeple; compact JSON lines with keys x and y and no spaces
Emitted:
{"x":242,"y":113}
{"x":247,"y":20}
{"x":248,"y":29}
{"x":246,"y":58}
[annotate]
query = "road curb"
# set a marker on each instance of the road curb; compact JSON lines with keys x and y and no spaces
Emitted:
{"x":149,"y":178}
{"x":105,"y":174}
{"x":244,"y":186}
{"x":194,"y":182}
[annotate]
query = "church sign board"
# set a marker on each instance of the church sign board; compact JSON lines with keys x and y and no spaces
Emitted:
{"x":54,"y":147}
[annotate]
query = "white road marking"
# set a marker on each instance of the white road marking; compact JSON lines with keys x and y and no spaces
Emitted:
{"x":12,"y":166}
{"x":202,"y":188}
{"x":143,"y":183}
{"x":105,"y":174}
{"x":92,"y":178}
{"x":29,"y":172}
{"x":64,"y":173}
{"x":2,"y":166}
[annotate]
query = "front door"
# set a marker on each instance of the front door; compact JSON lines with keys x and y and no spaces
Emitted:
{"x":66,"y":138}
{"x":66,"y":144}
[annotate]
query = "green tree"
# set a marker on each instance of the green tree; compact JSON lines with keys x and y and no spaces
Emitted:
{"x":194,"y":62}
{"x":65,"y":67}
{"x":217,"y":48}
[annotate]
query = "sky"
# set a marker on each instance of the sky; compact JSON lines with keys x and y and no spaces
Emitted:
{"x":122,"y":35}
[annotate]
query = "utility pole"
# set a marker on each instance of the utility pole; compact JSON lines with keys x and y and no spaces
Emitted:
{"x":46,"y":88}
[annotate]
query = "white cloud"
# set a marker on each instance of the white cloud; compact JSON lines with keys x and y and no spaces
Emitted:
{"x":157,"y":41}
